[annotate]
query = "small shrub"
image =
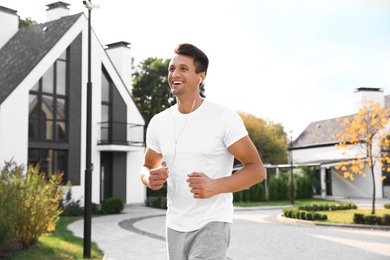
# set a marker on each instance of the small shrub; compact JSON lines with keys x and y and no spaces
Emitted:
{"x":386,"y":219}
{"x":317,"y":216}
{"x":353,"y":206}
{"x":309,"y":216}
{"x":358,"y":218}
{"x":71,"y":207}
{"x":288,"y":212}
{"x":113,"y":205}
{"x":372,"y":219}
{"x":387,"y":206}
{"x":36,"y":197}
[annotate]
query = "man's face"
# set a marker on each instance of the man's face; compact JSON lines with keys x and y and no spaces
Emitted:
{"x":182,"y":77}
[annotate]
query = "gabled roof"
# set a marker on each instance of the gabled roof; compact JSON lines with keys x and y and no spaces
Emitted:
{"x":320,"y":133}
{"x":26,"y":49}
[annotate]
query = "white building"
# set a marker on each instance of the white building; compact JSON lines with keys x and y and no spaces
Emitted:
{"x":315,"y":146}
{"x":43,"y":82}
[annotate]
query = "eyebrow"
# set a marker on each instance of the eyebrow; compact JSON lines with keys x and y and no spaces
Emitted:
{"x":180,"y":65}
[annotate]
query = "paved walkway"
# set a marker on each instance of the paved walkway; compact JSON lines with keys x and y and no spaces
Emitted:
{"x":138,"y":233}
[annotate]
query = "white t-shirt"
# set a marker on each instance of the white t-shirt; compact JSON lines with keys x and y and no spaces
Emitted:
{"x":196,"y":142}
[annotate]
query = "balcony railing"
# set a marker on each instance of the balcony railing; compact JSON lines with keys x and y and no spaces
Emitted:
{"x":119,"y":133}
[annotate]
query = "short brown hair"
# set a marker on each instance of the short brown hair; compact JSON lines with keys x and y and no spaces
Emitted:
{"x":201,"y":61}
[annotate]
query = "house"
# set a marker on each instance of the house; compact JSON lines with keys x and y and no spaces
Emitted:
{"x":43,"y":93}
{"x":315,"y":146}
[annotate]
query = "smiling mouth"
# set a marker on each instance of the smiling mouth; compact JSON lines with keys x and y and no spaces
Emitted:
{"x":175,"y":83}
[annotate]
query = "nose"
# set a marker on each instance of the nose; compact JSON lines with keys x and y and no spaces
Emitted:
{"x":175,"y":73}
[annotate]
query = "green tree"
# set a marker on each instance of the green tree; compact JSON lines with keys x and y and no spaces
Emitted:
{"x":364,"y":136}
{"x":151,"y":91}
{"x":268,"y":137}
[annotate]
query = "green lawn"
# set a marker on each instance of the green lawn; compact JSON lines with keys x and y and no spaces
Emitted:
{"x":61,"y":244}
{"x":346,"y":216}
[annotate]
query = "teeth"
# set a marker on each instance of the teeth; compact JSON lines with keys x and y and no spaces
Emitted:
{"x":177,"y":82}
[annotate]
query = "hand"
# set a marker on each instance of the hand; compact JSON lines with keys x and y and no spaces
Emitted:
{"x":201,"y":185}
{"x":158,"y":177}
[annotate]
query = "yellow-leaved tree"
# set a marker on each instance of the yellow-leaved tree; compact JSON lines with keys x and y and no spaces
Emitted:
{"x":364,"y":136}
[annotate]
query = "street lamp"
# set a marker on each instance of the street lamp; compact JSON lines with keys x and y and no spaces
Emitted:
{"x":291,"y":168}
{"x":88,"y":161}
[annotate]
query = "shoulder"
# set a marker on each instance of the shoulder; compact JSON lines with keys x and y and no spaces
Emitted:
{"x":219,"y":108}
{"x":220,"y":111}
{"x":163,"y":114}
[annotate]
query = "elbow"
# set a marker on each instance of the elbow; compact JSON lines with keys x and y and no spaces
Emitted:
{"x":261,"y":173}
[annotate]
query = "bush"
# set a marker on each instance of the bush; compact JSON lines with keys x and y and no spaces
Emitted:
{"x":237,"y":196}
{"x":257,"y":192}
{"x":304,"y":186}
{"x":326,"y":207}
{"x":71,"y":207}
{"x":387,"y":206}
{"x":35,"y":202}
{"x":278,"y":189}
{"x":317,"y":216}
{"x":113,"y":205}
{"x":372,"y":219}
{"x":294,"y":212}
{"x":8,"y":213}
{"x":386,"y":219}
{"x":358,"y":218}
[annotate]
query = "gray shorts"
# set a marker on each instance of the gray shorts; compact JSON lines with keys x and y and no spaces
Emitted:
{"x":210,"y":242}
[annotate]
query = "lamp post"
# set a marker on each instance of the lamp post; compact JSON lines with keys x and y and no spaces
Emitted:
{"x":88,"y":161}
{"x":291,"y":168}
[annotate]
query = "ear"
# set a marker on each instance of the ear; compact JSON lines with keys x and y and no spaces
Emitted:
{"x":202,"y":77}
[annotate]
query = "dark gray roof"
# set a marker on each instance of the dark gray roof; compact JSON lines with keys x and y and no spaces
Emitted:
{"x":26,"y":49}
{"x":321,"y":133}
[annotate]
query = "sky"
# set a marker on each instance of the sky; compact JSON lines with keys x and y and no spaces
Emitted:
{"x":291,"y":62}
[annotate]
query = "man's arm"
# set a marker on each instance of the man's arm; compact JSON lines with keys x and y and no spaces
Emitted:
{"x":152,"y":174}
{"x":252,"y":172}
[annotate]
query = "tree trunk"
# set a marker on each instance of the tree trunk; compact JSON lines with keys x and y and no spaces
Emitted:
{"x":373,"y":190}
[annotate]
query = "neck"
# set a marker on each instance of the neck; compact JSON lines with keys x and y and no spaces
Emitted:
{"x":189,"y":105}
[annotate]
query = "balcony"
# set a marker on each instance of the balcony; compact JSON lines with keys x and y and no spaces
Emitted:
{"x":119,"y":136}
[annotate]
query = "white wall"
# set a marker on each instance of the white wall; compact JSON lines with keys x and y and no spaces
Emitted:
{"x":316,"y":154}
{"x":360,"y":187}
{"x":14,"y":128}
{"x":136,"y":191}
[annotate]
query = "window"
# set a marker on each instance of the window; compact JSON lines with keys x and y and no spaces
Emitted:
{"x":48,"y":120}
{"x":50,"y":161}
{"x":106,"y":109}
{"x":48,"y":105}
